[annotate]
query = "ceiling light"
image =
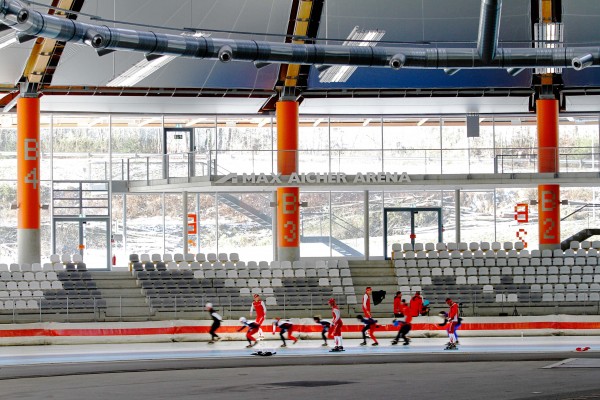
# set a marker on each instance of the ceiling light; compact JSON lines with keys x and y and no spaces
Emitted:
{"x":145,"y":67}
{"x":358,"y":37}
{"x":140,"y":71}
{"x":422,"y":121}
{"x":7,"y":40}
{"x":264,"y":122}
{"x":195,"y":121}
{"x":367,"y":122}
{"x":317,"y":122}
{"x":149,"y":121}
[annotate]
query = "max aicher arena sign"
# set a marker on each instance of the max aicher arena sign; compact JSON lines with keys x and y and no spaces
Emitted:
{"x":315,"y":178}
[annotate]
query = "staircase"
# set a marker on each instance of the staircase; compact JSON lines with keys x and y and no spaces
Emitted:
{"x":336,"y":245}
{"x":380,"y":276}
{"x":124,"y":299}
{"x":246,"y":210}
{"x":579,"y":236}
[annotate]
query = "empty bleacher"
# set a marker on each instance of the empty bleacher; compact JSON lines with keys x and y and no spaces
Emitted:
{"x":486,"y":278}
{"x":187,"y":282}
{"x":30,"y":292}
{"x":493,"y":274}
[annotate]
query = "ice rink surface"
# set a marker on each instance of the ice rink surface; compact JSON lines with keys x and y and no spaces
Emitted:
{"x":483,"y":368}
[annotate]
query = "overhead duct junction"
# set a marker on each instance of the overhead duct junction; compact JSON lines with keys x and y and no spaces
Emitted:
{"x":31,"y":23}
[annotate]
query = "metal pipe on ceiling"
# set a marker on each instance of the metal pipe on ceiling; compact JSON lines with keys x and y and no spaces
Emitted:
{"x":489,"y":25}
{"x":102,"y":38}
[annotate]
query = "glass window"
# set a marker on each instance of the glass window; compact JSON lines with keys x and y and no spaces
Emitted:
{"x":207,"y":223}
{"x":245,"y":225}
{"x":347,"y":223}
{"x":8,"y":149}
{"x":313,"y":142}
{"x":412,"y":145}
{"x":80,"y":146}
{"x":145,"y":223}
{"x":8,"y":223}
{"x":356,"y":145}
{"x":315,"y":226}
{"x":244,"y":145}
{"x":376,"y":224}
{"x":136,"y":147}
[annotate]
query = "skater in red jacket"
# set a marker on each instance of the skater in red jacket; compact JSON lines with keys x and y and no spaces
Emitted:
{"x":336,"y":326}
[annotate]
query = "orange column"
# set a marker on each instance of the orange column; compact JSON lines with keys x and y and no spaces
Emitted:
{"x":28,"y":179}
{"x":548,"y":195}
{"x":288,"y":198}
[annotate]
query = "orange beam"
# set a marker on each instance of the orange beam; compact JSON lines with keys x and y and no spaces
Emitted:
{"x":300,"y":29}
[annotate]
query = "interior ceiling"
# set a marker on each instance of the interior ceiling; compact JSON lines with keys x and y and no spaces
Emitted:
{"x":207,"y":86}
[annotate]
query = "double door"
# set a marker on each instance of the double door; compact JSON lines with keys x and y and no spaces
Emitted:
{"x":88,"y":236}
{"x":411,"y":224}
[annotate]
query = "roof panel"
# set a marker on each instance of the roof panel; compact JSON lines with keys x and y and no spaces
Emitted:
{"x":581,"y":19}
{"x":83,"y":67}
{"x":448,"y":24}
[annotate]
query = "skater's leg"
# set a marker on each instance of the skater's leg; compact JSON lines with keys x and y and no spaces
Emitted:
{"x":281,"y":332}
{"x":291,"y":336}
{"x":250,"y":333}
{"x":372,"y":333}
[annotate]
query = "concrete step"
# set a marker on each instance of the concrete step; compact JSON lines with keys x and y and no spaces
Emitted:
{"x":360,"y":282}
{"x":128,"y":292}
{"x":143,"y":313}
{"x":126,"y":302}
{"x":124,"y":299}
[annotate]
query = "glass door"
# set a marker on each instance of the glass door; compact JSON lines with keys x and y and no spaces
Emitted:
{"x":178,"y":146}
{"x":86,"y":236}
{"x":404,"y":225}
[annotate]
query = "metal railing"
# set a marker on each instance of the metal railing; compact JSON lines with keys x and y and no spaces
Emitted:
{"x":473,"y":303}
{"x":352,"y":161}
{"x":10,"y":306}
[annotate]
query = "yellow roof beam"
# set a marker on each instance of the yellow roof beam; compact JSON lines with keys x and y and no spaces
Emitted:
{"x":300,"y":29}
{"x":43,"y":49}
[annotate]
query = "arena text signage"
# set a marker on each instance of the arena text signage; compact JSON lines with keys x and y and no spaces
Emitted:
{"x":316,"y":178}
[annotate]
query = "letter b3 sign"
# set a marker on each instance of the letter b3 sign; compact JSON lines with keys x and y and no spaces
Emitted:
{"x":288,"y":217}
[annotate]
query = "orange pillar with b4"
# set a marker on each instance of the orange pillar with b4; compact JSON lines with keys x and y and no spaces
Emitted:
{"x":28,"y":180}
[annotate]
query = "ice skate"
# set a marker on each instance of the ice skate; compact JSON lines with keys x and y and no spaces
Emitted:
{"x":335,"y":349}
{"x":283,"y":345}
{"x":363,"y":344}
{"x":451,"y":346}
{"x":211,"y":341}
{"x":324,"y":344}
{"x":394,"y":342}
{"x":375,"y":344}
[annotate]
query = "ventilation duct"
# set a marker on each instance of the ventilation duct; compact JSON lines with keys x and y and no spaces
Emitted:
{"x":580,"y":63}
{"x":30,"y":22}
{"x":489,"y":24}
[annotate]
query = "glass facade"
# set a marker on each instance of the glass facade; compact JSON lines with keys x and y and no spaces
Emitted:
{"x":101,"y":148}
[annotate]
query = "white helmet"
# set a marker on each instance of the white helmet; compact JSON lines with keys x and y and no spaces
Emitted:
{"x":208,"y":305}
{"x":243,"y":320}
